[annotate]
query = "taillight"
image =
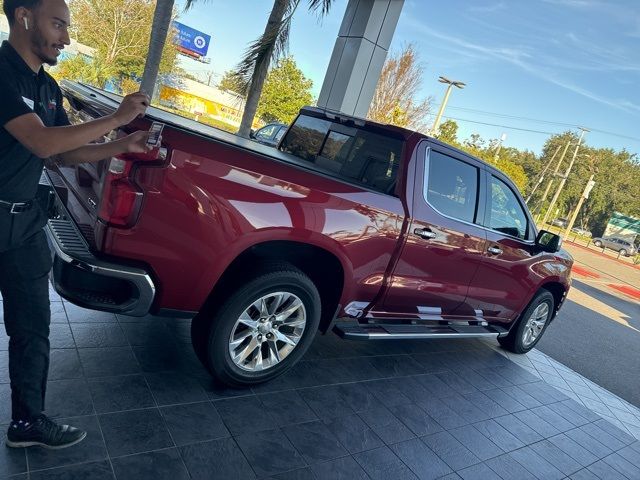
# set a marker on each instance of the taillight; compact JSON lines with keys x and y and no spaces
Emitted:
{"x":121,"y":198}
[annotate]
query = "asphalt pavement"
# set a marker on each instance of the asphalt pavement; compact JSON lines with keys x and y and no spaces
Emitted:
{"x":597,"y":332}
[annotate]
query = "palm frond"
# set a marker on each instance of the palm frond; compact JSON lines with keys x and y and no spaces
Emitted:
{"x":189,"y":3}
{"x":323,"y":6}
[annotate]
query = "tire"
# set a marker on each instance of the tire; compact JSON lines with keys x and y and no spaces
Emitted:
{"x":597,"y":243}
{"x":283,"y":288}
{"x":623,"y":252}
{"x":517,"y":340}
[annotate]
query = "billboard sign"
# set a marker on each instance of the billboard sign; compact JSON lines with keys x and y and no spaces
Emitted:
{"x":623,"y":226}
{"x":190,"y":41}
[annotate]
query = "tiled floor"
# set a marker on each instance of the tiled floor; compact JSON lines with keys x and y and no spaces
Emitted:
{"x":350,"y":410}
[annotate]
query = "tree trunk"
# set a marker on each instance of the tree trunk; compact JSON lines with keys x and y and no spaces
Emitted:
{"x":260,"y":72}
{"x":157,"y":41}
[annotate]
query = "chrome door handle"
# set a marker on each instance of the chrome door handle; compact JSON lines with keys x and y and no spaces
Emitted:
{"x":424,"y":233}
{"x":494,"y":250}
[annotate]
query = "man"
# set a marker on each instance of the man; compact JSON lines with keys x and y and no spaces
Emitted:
{"x":33,"y":127}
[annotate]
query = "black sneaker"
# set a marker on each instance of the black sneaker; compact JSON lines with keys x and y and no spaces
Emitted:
{"x":43,"y":432}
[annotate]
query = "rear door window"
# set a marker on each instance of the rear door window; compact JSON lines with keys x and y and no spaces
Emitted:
{"x":451,"y":187}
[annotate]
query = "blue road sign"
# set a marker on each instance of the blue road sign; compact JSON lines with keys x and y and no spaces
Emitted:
{"x":191,"y":39}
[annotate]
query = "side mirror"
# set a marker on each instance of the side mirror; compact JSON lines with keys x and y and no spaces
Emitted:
{"x":252,"y":133}
{"x":548,"y":242}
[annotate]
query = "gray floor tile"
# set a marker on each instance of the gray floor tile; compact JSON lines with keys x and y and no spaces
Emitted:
{"x":466,"y":409}
{"x":245,"y":415}
{"x":287,"y":408}
{"x":478,"y":443}
{"x":126,"y":392}
{"x":193,"y":422}
{"x":450,"y":450}
{"x":108,"y":362}
{"x":387,"y":392}
{"x":478,"y":472}
{"x":580,"y":454}
{"x":353,"y":433}
{"x":98,"y":335}
{"x":297,"y":474}
{"x":506,"y":401}
{"x":623,"y":466}
{"x":521,"y":396}
{"x":171,"y":388}
{"x":221,"y":456}
{"x":386,"y":425}
{"x":630,"y":454}
{"x":584,"y":474}
{"x":499,"y":435}
{"x":147,"y":333}
{"x":434,"y":385}
{"x":603,"y":437}
{"x":155,"y":358}
{"x":491,"y":408}
{"x":396,"y":365}
{"x":382,"y":464}
{"x":588,"y":442}
{"x":326,"y":402}
{"x":418,"y":421}
{"x":558,"y":421}
{"x":12,"y":460}
{"x":66,"y":398}
{"x":425,"y":464}
{"x":557,"y":457}
{"x":529,"y":459}
{"x":64,"y":364}
{"x":605,"y":471}
{"x":314,"y":441}
{"x":92,"y":448}
{"x":519,"y":429}
{"x":94,"y":471}
{"x":508,"y":468}
{"x":345,"y":468}
{"x":77,"y":314}
{"x":536,"y":422}
{"x":134,"y":431}
{"x":437,"y":408}
{"x":270,"y":452}
{"x":158,"y":465}
{"x":568,"y":414}
{"x":5,"y":403}
{"x":358,"y":397}
{"x":60,"y":336}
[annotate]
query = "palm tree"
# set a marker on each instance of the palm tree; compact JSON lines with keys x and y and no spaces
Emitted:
{"x":271,"y":45}
{"x":159,"y":30}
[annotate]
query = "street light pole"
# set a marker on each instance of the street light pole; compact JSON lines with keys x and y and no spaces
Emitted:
{"x":565,"y":176}
{"x":451,"y":84}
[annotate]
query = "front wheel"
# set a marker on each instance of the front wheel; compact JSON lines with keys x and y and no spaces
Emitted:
{"x":597,"y":243}
{"x":623,"y":252}
{"x":531,"y":325}
{"x":261,"y":330}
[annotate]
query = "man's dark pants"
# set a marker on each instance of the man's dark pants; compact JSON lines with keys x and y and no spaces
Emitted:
{"x":24,"y":286}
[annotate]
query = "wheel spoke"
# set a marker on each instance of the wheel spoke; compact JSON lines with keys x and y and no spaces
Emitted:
{"x":258,"y":365}
{"x":274,"y":355}
{"x":275,"y":305}
{"x":246,"y":320}
{"x":298,"y":322}
{"x":241,"y":357}
{"x":286,"y":339}
{"x":282,"y":316}
{"x":238,"y":341}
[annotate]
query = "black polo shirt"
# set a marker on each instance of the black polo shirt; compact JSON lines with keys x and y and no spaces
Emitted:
{"x":22,"y":91}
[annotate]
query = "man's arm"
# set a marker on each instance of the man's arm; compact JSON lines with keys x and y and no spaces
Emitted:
{"x":26,"y":127}
{"x":134,"y":143}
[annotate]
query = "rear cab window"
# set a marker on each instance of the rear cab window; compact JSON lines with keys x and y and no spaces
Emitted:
{"x":351,"y":153}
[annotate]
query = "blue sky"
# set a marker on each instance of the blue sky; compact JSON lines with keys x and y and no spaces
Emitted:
{"x":574,"y":62}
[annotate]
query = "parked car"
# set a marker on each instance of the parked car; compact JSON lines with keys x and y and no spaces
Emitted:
{"x":270,"y":134}
{"x":368,"y":230}
{"x":581,"y":231}
{"x":624,"y":247}
{"x":559,"y":222}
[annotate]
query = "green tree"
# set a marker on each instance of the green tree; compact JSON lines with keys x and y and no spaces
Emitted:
{"x":119,"y":32}
{"x":395,"y":100}
{"x":285,"y":92}
{"x":231,"y":82}
{"x":448,"y":132}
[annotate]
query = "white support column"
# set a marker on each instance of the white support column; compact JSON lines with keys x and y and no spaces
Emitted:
{"x":359,"y":55}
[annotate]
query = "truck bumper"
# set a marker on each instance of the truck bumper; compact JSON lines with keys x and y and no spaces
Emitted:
{"x":91,"y":282}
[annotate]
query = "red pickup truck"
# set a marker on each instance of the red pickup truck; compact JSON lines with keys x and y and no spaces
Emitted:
{"x":368,"y":230}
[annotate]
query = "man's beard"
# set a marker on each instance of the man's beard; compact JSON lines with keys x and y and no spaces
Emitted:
{"x":40,"y":45}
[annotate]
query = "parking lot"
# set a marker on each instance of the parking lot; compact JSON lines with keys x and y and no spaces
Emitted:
{"x":439,"y":409}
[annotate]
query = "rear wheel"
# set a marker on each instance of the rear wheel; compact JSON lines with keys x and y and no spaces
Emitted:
{"x":261,"y":329}
{"x":623,"y":252}
{"x":597,"y":243}
{"x":531,"y":325}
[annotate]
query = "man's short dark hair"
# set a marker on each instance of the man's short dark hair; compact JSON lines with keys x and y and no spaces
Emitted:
{"x":9,"y":7}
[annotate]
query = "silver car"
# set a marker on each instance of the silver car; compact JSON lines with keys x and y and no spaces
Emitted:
{"x":624,"y":247}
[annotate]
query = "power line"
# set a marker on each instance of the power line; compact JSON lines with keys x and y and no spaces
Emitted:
{"x":549,"y":122}
{"x":501,"y":126}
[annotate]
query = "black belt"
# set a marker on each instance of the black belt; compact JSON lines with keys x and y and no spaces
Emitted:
{"x":17,"y":207}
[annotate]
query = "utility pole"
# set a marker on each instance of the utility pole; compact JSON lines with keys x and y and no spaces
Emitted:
{"x":555,"y":174}
{"x":503,"y":137}
{"x":566,"y":175}
{"x":544,"y":170}
{"x":451,"y":83}
{"x":585,"y":195}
